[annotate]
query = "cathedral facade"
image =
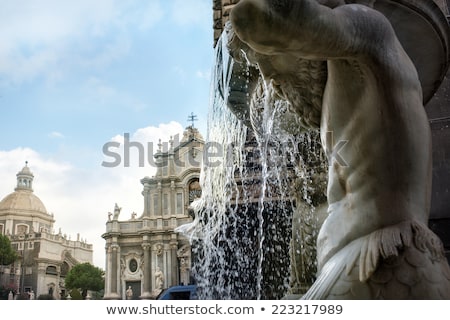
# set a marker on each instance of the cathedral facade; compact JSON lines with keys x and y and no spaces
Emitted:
{"x":45,"y":257}
{"x":145,"y":254}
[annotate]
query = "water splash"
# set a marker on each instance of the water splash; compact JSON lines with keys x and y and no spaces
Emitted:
{"x":256,"y":184}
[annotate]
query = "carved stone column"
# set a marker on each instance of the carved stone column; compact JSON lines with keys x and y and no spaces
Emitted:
{"x":160,"y":200}
{"x":112,"y":277}
{"x":147,"y":198}
{"x":173,"y":276}
{"x":172,"y":199}
{"x":41,"y":285}
{"x":147,"y":272}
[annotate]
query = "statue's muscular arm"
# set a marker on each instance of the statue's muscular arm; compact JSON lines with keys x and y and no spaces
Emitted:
{"x":309,"y":29}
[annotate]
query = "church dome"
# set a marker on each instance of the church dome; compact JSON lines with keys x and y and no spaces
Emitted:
{"x":23,"y":200}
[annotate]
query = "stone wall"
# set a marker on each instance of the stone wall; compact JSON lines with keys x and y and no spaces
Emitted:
{"x":438,"y":110}
{"x":221,"y":12}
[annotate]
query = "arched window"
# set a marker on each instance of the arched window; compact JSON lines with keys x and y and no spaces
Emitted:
{"x":194,"y":190}
{"x":51,"y":270}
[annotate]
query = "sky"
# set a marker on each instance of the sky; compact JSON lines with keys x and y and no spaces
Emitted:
{"x":75,"y":75}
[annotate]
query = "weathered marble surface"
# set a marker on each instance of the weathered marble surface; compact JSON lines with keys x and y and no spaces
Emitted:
{"x":375,"y":242}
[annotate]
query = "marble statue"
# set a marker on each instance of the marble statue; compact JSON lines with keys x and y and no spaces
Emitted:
{"x":342,"y":68}
{"x":129,"y":293}
{"x":159,"y":279}
{"x":117,"y":210}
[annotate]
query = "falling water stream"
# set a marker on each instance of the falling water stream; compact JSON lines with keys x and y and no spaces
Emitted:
{"x":257,"y":183}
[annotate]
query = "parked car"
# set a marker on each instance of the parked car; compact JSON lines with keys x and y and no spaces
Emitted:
{"x":188,"y":292}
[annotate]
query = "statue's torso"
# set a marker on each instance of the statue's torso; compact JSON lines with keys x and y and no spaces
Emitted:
{"x":375,"y":132}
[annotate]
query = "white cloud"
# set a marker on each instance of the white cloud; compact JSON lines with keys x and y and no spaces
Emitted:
{"x":56,"y":134}
{"x":80,"y":198}
{"x":35,"y":35}
{"x":101,"y":56}
{"x":50,"y":37}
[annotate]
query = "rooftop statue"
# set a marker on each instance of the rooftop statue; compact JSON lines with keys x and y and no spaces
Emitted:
{"x":342,"y":67}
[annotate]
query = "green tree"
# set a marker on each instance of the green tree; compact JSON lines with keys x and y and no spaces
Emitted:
{"x":7,"y":253}
{"x":85,"y":277}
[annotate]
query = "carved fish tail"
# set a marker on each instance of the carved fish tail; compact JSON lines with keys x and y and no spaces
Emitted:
{"x":403,"y":261}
